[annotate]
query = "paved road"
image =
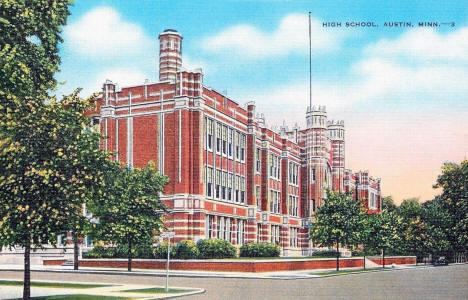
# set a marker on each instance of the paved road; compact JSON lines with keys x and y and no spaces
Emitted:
{"x":426,"y":283}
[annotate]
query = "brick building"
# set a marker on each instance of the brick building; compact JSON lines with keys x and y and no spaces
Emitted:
{"x":231,"y":177}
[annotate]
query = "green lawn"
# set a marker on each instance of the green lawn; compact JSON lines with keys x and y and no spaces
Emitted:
{"x":80,"y":297}
{"x":54,"y":284}
{"x":159,"y":291}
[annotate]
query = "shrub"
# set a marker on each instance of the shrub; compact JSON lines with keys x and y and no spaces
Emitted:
{"x":160,"y":251}
{"x":216,"y":248}
{"x":324,"y":253}
{"x":100,"y":252}
{"x":186,"y":249}
{"x":259,"y":250}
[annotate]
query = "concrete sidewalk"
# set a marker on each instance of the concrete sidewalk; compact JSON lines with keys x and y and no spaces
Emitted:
{"x":300,"y":274}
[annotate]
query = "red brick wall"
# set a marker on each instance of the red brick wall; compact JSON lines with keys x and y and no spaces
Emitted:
{"x":242,"y":266}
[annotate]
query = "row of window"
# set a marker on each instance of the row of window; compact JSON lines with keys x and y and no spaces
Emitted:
{"x":224,"y":228}
{"x":275,"y":235}
{"x":225,"y":186}
{"x":229,"y":141}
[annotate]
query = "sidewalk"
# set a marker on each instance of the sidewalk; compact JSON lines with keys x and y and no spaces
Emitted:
{"x":301,"y":274}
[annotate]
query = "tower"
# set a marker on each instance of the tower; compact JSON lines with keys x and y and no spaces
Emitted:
{"x":170,"y":54}
{"x":336,"y":132}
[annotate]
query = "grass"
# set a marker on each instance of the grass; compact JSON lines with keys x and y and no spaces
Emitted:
{"x":53,"y":284}
{"x":158,"y":291}
{"x":79,"y":297}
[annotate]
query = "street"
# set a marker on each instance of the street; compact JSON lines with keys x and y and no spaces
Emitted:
{"x":421,"y":283}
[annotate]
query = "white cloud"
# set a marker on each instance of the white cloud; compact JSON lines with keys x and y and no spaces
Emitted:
{"x":424,"y":44}
{"x":191,"y":64}
{"x":102,"y":33}
{"x":291,"y":36}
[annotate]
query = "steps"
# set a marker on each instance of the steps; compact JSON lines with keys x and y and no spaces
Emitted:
{"x":68,"y":263}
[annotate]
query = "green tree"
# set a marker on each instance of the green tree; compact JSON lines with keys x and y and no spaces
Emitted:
{"x":437,"y":222}
{"x":338,"y":221}
{"x":383,"y":230}
{"x":388,"y":204}
{"x":49,"y":166}
{"x":130,"y":211}
{"x":454,"y":199}
{"x":413,"y":232}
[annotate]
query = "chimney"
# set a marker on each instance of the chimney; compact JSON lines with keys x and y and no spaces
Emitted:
{"x":170,"y":54}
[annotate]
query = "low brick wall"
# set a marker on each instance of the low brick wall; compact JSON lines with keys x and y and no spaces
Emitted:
{"x":53,"y":262}
{"x":397,"y":260}
{"x":243,"y":265}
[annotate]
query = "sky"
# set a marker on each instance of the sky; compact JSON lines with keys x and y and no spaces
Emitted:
{"x":402,"y":91}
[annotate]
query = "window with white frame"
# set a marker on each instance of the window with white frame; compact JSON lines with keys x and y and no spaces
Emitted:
{"x":209,"y":181}
{"x":224,"y":137}
{"x":293,"y":237}
{"x":209,"y":232}
{"x":242,"y":147}
{"x":223,"y":186}
{"x":229,"y":187}
{"x":257,"y":160}
{"x":240,"y":232}
{"x":236,"y":189}
{"x":242,"y":189}
{"x":237,"y":143}
{"x":293,"y":205}
{"x":257,"y":197}
{"x":209,"y":130}
{"x":218,"y":137}
{"x":230,"y":138}
{"x":275,"y":234}
{"x":218,"y":184}
{"x":274,"y":201}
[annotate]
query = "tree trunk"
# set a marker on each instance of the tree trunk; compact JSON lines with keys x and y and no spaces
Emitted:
{"x":364,"y":258}
{"x":337,"y":257}
{"x":27,"y":271}
{"x":129,"y":267}
{"x":75,"y":251}
{"x":383,"y":258}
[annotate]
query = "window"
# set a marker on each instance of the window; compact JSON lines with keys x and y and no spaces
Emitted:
{"x":209,"y":181}
{"x":259,"y":230}
{"x":293,"y":237}
{"x":293,"y":205}
{"x":209,"y":130}
{"x":209,"y":220}
{"x":218,"y":137}
{"x":275,"y":166}
{"x":223,"y":186}
{"x":237,"y":142}
{"x":236,"y":189}
{"x":230,"y":138}
{"x":274,"y":201}
{"x":257,"y":160}
{"x":293,"y":170}
{"x":240,"y":232}
{"x":225,"y":140}
{"x":242,"y":146}
{"x":275,"y":234}
{"x":312,"y":175}
{"x":257,"y":196}
{"x":242,"y":190}
{"x":229,"y":187}
{"x":218,"y":183}
{"x":221,"y":229}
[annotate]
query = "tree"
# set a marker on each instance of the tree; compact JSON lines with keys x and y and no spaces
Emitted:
{"x":30,"y":33}
{"x":388,"y":204}
{"x":384,"y":232}
{"x":413,"y":232}
{"x":337,"y":221}
{"x":131,"y":211}
{"x":437,"y":222}
{"x":454,"y":199}
{"x":47,"y":173}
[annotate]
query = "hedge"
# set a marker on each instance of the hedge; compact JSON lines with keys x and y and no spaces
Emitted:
{"x":259,"y":250}
{"x":324,"y":253}
{"x":216,"y":248}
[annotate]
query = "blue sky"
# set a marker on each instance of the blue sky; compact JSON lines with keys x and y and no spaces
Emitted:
{"x":401,"y":91}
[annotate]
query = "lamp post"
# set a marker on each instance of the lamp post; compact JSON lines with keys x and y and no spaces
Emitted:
{"x":168,"y":235}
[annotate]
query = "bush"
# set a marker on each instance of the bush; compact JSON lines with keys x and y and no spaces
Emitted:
{"x":216,"y":248}
{"x":100,"y":252}
{"x":160,"y":251}
{"x":186,"y":249}
{"x":259,"y":250}
{"x":324,"y":253}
